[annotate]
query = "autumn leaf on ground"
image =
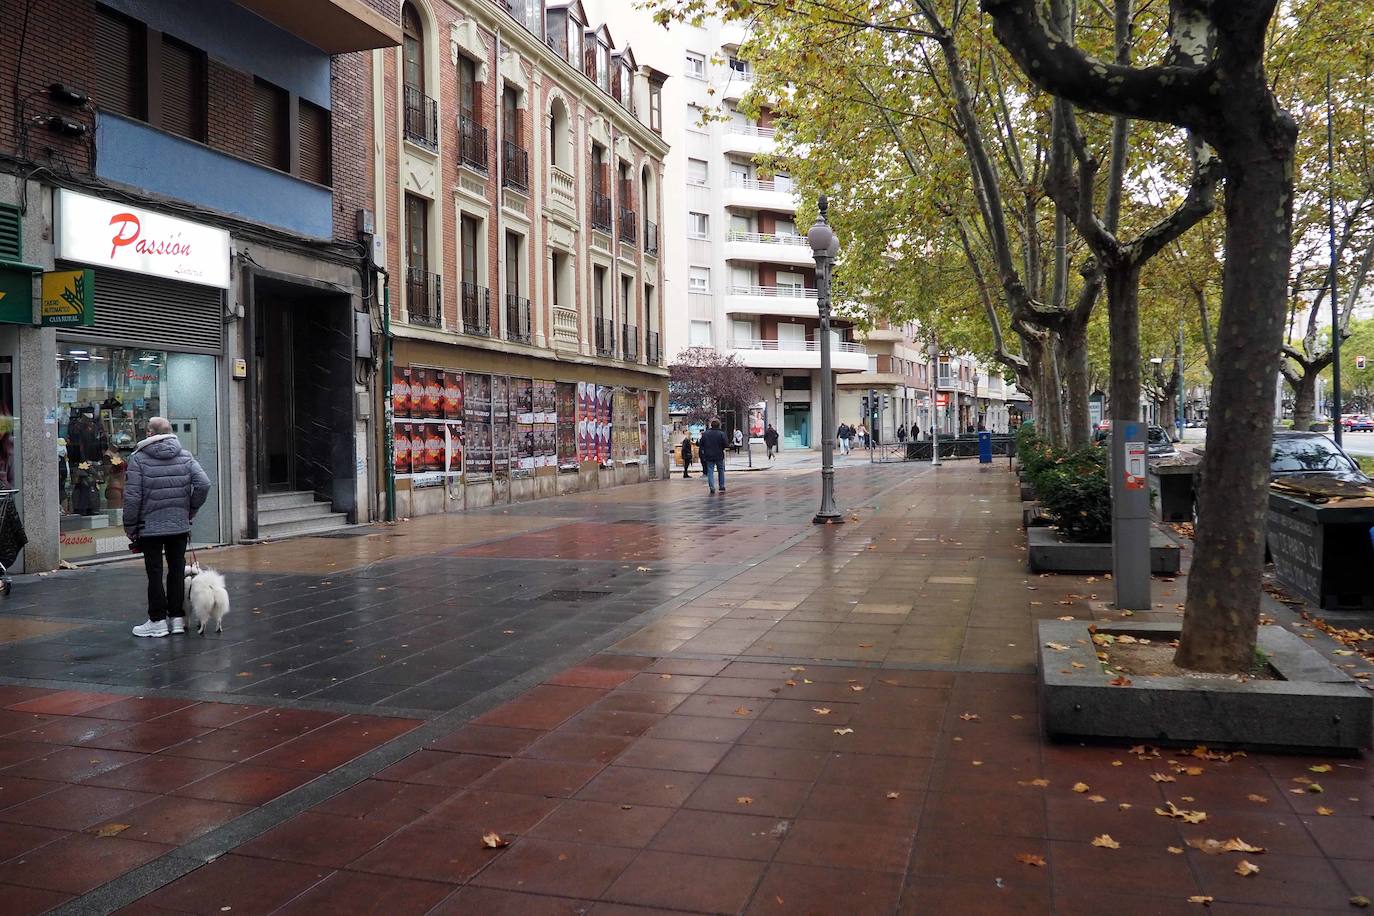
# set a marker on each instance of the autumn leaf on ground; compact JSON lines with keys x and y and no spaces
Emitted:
{"x":1175,"y":850}
{"x":665,"y":677}
{"x":742,"y":711}
{"x":894,"y":795}
{"x":1360,"y":901}
{"x":1324,"y":811}
{"x":807,"y":680}
{"x":969,"y":716}
{"x":494,"y":841}
{"x":1236,"y":844}
{"x":796,"y":668}
{"x":1193,"y":771}
{"x":1057,"y":646}
{"x":110,"y":829}
{"x":1081,"y":787}
{"x":857,"y":688}
{"x":1200,"y":898}
{"x":1189,"y":817}
{"x":1096,"y":799}
{"x":1162,"y":777}
{"x":844,"y":731}
{"x":1320,"y":768}
{"x":865,"y":645}
{"x":1257,"y":799}
{"x":976,"y":763}
{"x":1078,"y":664}
{"x":1041,"y":782}
{"x":790,"y":683}
{"x":1106,"y":842}
{"x":1068,"y":617}
{"x":821,"y":710}
{"x":744,"y":800}
{"x":1029,"y":858}
{"x":1247,"y":868}
{"x":1120,"y":680}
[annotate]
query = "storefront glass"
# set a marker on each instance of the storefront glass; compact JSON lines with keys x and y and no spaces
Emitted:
{"x":105,"y":396}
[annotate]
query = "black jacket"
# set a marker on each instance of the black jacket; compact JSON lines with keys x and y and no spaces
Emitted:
{"x":686,"y":451}
{"x":770,"y":437}
{"x":712,"y":444}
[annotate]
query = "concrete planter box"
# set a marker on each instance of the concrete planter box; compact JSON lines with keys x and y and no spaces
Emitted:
{"x":1323,"y":551}
{"x":1172,"y":489}
{"x":1049,"y":552}
{"x":1032,"y":516}
{"x":1315,"y":705}
{"x":1027,"y":493}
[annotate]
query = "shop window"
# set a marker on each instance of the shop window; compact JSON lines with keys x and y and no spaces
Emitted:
{"x":271,"y":120}
{"x":105,"y":397}
{"x":315,"y":138}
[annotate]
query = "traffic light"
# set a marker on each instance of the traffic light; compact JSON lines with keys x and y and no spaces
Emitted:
{"x":864,"y":408}
{"x":887,"y":402}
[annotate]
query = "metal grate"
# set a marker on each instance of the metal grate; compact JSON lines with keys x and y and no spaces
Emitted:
{"x":11,"y":235}
{"x":140,"y":311}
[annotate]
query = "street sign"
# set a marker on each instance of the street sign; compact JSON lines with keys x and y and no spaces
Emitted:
{"x":68,"y":298}
{"x":1135,"y":466}
{"x":942,"y":400}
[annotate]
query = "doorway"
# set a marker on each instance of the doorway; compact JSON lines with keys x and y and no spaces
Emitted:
{"x":277,"y":417}
{"x":796,"y":425}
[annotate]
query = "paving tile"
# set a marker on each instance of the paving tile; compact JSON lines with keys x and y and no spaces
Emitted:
{"x":245,"y":784}
{"x":355,"y":894}
{"x":766,"y":797}
{"x":700,"y":883}
{"x":68,"y":730}
{"x":29,"y":901}
{"x":1279,"y":834}
{"x":543,"y":707}
{"x":243,"y":884}
{"x":17,"y":839}
{"x":698,"y":728}
{"x":634,"y":786}
{"x":926,"y":895}
{"x":611,"y":722}
{"x":982,"y":857}
{"x":325,"y":840}
{"x":372,"y":730}
{"x":876,"y":770}
{"x":211,"y":715}
{"x":640,"y":701}
{"x":75,"y":807}
{"x":1282,"y":881}
{"x":315,"y":752}
{"x":490,"y":902}
{"x":71,"y":764}
{"x":663,"y":754}
{"x":226,"y":745}
{"x":140,"y":709}
{"x":1017,"y":813}
{"x":486,"y":739}
{"x":438,"y":768}
{"x":547,"y":867}
{"x":578,"y":747}
{"x":476,"y":812}
{"x":145,"y":737}
{"x":603,"y":823}
{"x":863,"y":803}
{"x":1343,"y":837}
{"x":427,"y":855}
{"x":392,"y":803}
{"x":15,"y":790}
{"x":1079,"y":866}
{"x":802,"y":890}
{"x":550,"y":778}
{"x":78,"y":863}
{"x":177,"y":821}
{"x":840,"y":845}
{"x":66,"y":703}
{"x":153,"y":773}
{"x":713,"y":833}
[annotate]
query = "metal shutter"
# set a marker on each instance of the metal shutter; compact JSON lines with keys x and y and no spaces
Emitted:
{"x":140,"y":311}
{"x":118,"y":64}
{"x":11,"y":234}
{"x":314,"y":143}
{"x":183,"y":90}
{"x":270,"y":146}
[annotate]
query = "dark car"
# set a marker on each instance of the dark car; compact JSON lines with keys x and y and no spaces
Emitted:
{"x":1159,"y":444}
{"x":1313,"y":464}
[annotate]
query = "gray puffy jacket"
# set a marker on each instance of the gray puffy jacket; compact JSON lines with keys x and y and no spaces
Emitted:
{"x":163,"y":488}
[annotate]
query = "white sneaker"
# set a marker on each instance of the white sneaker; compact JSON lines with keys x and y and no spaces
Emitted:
{"x":178,"y":625}
{"x":151,"y":628}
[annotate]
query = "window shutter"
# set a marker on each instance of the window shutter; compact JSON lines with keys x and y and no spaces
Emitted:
{"x":118,"y":64}
{"x":183,"y":90}
{"x":270,"y":146}
{"x":314,"y":140}
{"x":11,"y":234}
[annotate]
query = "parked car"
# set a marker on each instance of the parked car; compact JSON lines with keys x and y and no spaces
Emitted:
{"x":1357,"y":423}
{"x":1313,"y":463}
{"x":1160,"y":445}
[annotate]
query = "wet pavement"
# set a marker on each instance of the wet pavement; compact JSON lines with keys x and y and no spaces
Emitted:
{"x":656,"y":700}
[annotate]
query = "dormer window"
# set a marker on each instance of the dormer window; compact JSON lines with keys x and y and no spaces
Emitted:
{"x":565,"y":27}
{"x":597,"y":57}
{"x":623,"y":78}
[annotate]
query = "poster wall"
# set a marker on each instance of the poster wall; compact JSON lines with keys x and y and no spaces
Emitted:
{"x":566,"y":393}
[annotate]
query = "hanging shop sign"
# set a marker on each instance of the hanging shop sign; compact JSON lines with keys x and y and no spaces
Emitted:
{"x":110,"y":233}
{"x":16,"y":295}
{"x":68,"y":298}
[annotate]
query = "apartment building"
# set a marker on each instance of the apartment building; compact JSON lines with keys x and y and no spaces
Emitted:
{"x":180,"y":187}
{"x":519,"y":190}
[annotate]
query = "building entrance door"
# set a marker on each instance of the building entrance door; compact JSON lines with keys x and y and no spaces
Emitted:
{"x":277,"y":400}
{"x":796,"y":425}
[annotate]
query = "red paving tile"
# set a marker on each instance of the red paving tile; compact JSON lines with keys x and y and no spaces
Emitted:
{"x":476,"y":813}
{"x":633,"y":786}
{"x":23,"y":901}
{"x":393,"y":803}
{"x":16,"y":790}
{"x":145,"y":737}
{"x":78,"y":863}
{"x":578,"y":748}
{"x":66,"y":703}
{"x":69,"y":730}
{"x":242,"y":884}
{"x":438,"y":768}
{"x":490,"y":902}
{"x":177,"y":820}
{"x":154,"y":773}
{"x":546,"y":867}
{"x":141,"y":709}
{"x":713,"y":833}
{"x":284,"y":722}
{"x":317,"y":839}
{"x":211,"y":715}
{"x":71,"y":764}
{"x":543,"y":707}
{"x":840,"y":845}
{"x":355,"y":894}
{"x":550,"y":778}
{"x":803,"y":890}
{"x":428,"y":855}
{"x":487,"y":739}
{"x":750,"y":795}
{"x":315,"y":752}
{"x":701,"y":883}
{"x":632,"y":826}
{"x":75,"y":807}
{"x":245,"y":784}
{"x":226,"y":745}
{"x":17,"y":839}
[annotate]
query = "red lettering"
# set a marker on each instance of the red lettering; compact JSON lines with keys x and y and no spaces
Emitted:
{"x":125,"y":221}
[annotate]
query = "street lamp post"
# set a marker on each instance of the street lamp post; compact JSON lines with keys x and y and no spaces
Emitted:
{"x":825,"y":245}
{"x":934,"y":404}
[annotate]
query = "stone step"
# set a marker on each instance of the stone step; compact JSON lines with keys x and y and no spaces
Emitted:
{"x":331,"y":522}
{"x":277,"y":516}
{"x":268,"y":502}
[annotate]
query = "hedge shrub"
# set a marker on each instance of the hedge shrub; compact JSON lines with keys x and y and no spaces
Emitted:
{"x":1072,"y":488}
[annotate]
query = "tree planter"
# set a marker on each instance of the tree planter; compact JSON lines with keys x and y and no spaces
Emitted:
{"x":1313,"y":706}
{"x":1171,"y":489}
{"x":1323,"y":551}
{"x":1049,"y":552}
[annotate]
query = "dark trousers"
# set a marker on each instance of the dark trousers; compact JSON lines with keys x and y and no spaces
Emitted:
{"x":165,"y":603}
{"x":686,"y":465}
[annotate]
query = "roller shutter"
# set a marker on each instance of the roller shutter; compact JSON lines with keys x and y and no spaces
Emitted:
{"x":139,"y":311}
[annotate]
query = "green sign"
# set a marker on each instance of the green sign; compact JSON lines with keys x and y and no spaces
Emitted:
{"x":68,"y":298}
{"x":16,"y":294}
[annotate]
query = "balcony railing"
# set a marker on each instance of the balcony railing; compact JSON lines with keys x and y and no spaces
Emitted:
{"x":472,"y":143}
{"x":424,"y":297}
{"x":627,"y":225}
{"x":515,"y":166}
{"x":762,"y":184}
{"x":561,"y":186}
{"x":765,"y":238}
{"x":650,"y":237}
{"x":517,"y":318}
{"x":421,"y":118}
{"x":601,"y":212}
{"x":476,"y":310}
{"x":654,"y":349}
{"x":605,"y":336}
{"x":774,"y":292}
{"x":794,"y":346}
{"x":565,"y":331}
{"x":629,"y":341}
{"x":749,"y":130}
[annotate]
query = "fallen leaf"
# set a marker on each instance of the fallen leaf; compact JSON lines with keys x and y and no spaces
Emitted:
{"x":1041,"y":782}
{"x":1162,"y":777}
{"x":1081,"y":787}
{"x":494,"y":841}
{"x":742,"y":711}
{"x":969,"y":717}
{"x":1200,"y":898}
{"x":1258,"y":799}
{"x":665,"y":677}
{"x":865,"y":645}
{"x":1117,"y":763}
{"x":1078,"y":664}
{"x":1175,"y":850}
{"x":796,"y":668}
{"x":821,"y":710}
{"x":1068,"y":617}
{"x":844,"y":731}
{"x":976,"y":763}
{"x":1096,"y":798}
{"x":790,"y":683}
{"x":1029,"y":858}
{"x":1324,"y":811}
{"x":894,"y":795}
{"x":110,"y":829}
{"x":1120,"y":680}
{"x":642,"y":569}
{"x":1189,"y":817}
{"x":857,"y":688}
{"x":744,"y":800}
{"x":1320,"y":768}
{"x":1247,"y":868}
{"x":1017,"y":717}
{"x":627,"y":807}
{"x":1057,"y":646}
{"x":1106,"y":842}
{"x":807,"y":680}
{"x":1360,"y":901}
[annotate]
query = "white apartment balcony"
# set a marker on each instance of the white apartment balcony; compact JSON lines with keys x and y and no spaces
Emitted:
{"x":737,"y":84}
{"x":802,"y":354}
{"x":562,"y":194}
{"x":733,"y":34}
{"x":791,"y":301}
{"x":883,"y":334}
{"x":792,"y":250}
{"x":748,"y":139}
{"x":761,"y":195}
{"x":953,"y":383}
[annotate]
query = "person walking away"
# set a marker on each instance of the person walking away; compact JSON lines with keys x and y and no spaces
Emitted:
{"x":901,"y":434}
{"x":164,"y":486}
{"x":711,"y":448}
{"x":770,"y":439}
{"x":686,"y":455}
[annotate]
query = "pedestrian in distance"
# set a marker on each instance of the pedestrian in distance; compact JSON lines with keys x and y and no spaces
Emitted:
{"x":711,"y":448}
{"x":164,"y":487}
{"x":686,"y":455}
{"x":915,"y":432}
{"x":843,"y":434}
{"x":738,"y":440}
{"x":862,"y":434}
{"x":901,"y":434}
{"x":770,"y":439}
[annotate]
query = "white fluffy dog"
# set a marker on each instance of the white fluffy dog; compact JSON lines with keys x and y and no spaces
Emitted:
{"x":206,"y":595}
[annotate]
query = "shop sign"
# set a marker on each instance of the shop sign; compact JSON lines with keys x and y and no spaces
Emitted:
{"x":16,"y":296}
{"x":68,"y":298}
{"x":110,"y":233}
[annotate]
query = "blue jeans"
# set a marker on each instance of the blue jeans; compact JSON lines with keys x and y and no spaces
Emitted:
{"x":719,"y":466}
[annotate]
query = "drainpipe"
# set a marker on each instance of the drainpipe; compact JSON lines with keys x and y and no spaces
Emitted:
{"x":388,"y":408}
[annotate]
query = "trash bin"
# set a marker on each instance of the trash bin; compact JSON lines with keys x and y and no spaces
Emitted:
{"x":985,"y":448}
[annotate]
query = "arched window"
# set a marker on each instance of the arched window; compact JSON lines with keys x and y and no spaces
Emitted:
{"x":413,"y":48}
{"x":560,"y":136}
{"x":648,"y":197}
{"x":421,"y":111}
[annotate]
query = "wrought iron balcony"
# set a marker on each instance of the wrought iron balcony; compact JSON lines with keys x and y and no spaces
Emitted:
{"x":424,"y":297}
{"x":605,"y":336}
{"x":629,"y":342}
{"x":650,"y":237}
{"x":517,"y":318}
{"x":472,"y":143}
{"x":628,"y":223}
{"x":476,"y":310}
{"x":421,"y":118}
{"x":601,"y":212}
{"x":515,"y":166}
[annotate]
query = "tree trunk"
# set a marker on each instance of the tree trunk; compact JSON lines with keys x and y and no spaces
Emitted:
{"x":1222,"y":613}
{"x":1305,"y":400}
{"x":1077,"y":385}
{"x":1053,"y":392}
{"x":1123,"y":322}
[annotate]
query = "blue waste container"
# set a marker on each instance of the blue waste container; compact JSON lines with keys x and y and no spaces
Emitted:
{"x":985,"y":448}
